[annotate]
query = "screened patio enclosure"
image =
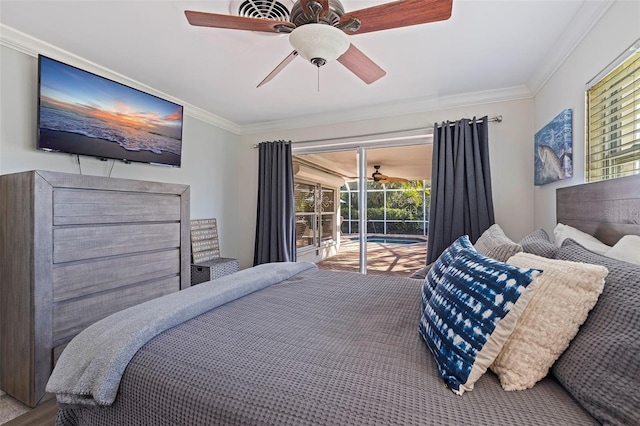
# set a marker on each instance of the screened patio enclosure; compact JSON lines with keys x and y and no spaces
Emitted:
{"x":392,"y":209}
{"x":330,"y":227}
{"x":397,"y":224}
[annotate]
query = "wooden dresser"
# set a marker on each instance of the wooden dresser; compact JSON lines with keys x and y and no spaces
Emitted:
{"x":74,"y":249}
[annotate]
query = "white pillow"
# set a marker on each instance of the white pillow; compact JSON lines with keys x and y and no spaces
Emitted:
{"x":562,"y":232}
{"x":627,"y":249}
{"x":566,"y":292}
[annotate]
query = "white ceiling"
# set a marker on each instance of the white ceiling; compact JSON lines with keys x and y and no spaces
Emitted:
{"x":412,"y":162}
{"x":487,"y":51}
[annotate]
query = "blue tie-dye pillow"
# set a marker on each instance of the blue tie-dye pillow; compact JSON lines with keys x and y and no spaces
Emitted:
{"x":471,"y":313}
{"x":441,"y":264}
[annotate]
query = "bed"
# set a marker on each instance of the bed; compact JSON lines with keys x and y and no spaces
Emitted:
{"x":292,"y":344}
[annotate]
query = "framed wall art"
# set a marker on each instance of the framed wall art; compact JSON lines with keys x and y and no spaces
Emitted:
{"x":553,"y":153}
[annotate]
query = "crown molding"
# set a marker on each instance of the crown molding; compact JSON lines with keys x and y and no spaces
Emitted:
{"x":392,"y":109}
{"x":587,"y":16}
{"x":32,"y":46}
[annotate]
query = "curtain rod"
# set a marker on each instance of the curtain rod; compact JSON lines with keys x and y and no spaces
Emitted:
{"x":496,"y":119}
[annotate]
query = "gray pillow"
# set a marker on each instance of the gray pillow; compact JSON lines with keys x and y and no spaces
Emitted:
{"x":421,"y":273}
{"x":495,"y":244}
{"x":601,"y":366}
{"x":539,"y":243}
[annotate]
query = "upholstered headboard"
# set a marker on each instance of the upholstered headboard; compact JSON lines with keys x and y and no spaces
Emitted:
{"x":607,"y":209}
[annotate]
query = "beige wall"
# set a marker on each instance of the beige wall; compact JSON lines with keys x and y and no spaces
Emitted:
{"x":615,"y":32}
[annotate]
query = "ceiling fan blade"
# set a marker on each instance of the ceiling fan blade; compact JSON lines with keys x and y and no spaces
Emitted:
{"x":204,"y":19}
{"x":279,"y":68}
{"x":396,"y":179}
{"x":397,"y":14}
{"x":323,"y":3}
{"x":360,"y":64}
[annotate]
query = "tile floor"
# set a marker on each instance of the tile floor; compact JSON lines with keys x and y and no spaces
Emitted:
{"x":382,"y":258}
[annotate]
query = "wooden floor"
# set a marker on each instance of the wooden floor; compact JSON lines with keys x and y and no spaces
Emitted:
{"x":43,"y":415}
{"x":382,"y":258}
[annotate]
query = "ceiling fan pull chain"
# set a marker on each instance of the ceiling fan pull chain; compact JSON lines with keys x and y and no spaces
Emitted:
{"x":318,"y":79}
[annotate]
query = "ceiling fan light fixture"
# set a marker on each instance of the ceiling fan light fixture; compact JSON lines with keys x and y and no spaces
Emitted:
{"x":319,"y":43}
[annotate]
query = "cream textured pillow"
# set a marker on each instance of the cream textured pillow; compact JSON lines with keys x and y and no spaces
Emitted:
{"x":495,"y":244}
{"x":566,"y":292}
{"x":627,"y":249}
{"x":562,"y":232}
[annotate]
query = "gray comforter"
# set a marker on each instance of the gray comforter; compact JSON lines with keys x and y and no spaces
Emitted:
{"x":91,"y":366}
{"x":320,"y":347}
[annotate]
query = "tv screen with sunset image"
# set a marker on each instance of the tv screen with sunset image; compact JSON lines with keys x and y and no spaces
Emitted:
{"x":85,"y":114}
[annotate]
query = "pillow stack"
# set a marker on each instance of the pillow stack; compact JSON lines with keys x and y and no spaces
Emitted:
{"x":492,"y":306}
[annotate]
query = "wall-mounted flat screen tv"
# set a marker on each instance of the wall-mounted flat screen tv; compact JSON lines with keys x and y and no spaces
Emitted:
{"x":85,"y":114}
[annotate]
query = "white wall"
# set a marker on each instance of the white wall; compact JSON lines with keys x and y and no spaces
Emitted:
{"x":510,"y":149}
{"x":615,"y":31}
{"x":209,"y":154}
{"x":221,"y":167}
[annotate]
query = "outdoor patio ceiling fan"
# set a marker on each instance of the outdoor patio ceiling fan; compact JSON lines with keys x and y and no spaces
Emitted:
{"x":380,"y":178}
{"x":319,"y":29}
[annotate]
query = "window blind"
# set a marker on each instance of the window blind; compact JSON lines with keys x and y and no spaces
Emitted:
{"x":613,"y":123}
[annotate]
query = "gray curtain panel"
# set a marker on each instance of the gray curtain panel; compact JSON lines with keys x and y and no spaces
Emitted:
{"x":275,"y":222}
{"x":461,"y":201}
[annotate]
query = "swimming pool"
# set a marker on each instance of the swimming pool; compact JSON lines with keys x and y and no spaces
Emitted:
{"x":394,"y":240}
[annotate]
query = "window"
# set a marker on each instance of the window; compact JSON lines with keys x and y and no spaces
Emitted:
{"x":315,"y":214}
{"x":613,"y":122}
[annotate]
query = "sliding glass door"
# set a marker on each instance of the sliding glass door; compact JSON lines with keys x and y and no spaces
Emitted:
{"x":315,"y":214}
{"x":331,"y":226}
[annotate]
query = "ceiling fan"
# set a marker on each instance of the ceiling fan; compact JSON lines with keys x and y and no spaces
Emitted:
{"x":380,"y":178}
{"x":319,"y":29}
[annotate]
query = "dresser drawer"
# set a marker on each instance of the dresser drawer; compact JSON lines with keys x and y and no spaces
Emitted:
{"x":72,"y":316}
{"x":80,"y":279}
{"x":91,"y":242}
{"x":79,"y":248}
{"x":86,"y":206}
